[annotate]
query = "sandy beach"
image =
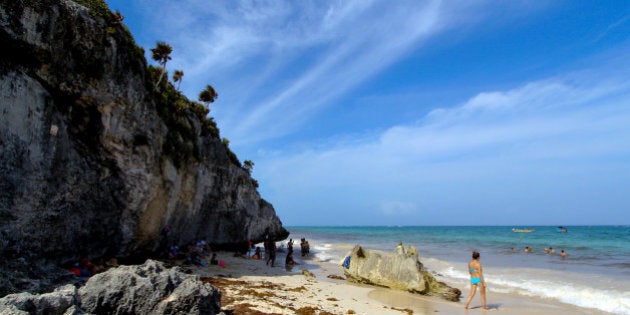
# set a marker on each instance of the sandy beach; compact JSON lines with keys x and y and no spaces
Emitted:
{"x":251,"y":287}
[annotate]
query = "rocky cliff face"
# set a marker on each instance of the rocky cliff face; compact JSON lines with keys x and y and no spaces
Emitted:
{"x":86,"y":158}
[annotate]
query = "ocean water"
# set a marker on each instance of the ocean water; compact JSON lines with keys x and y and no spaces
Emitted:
{"x":595,"y":274}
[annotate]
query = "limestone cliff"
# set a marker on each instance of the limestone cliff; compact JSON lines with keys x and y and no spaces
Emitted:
{"x":91,"y":161}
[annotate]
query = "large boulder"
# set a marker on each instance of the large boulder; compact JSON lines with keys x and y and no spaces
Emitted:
{"x":150,"y":288}
{"x":400,"y":270}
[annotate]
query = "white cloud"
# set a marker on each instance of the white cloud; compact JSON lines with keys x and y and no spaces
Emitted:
{"x":345,"y":42}
{"x":541,"y":140}
{"x":544,"y":111}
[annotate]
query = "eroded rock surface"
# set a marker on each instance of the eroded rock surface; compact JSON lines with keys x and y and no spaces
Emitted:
{"x":150,"y":288}
{"x":400,"y":270}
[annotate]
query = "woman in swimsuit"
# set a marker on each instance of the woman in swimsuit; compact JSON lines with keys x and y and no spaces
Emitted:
{"x":476,"y":280}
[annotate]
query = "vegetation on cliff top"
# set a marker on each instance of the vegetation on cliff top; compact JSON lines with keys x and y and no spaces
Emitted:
{"x":174,"y":108}
{"x":98,"y":8}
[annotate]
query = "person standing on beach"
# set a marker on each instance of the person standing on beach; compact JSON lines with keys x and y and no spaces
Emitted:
{"x":476,"y":280}
{"x":272,"y":253}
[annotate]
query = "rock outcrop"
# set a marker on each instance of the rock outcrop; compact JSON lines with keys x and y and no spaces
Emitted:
{"x":94,"y":160}
{"x":400,"y":270}
{"x":60,"y":301}
{"x":143,"y":289}
{"x":149,"y":289}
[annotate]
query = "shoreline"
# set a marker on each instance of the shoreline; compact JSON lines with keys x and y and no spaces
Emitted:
{"x":250,"y":286}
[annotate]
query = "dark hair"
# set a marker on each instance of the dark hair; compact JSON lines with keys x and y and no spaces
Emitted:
{"x":475,"y":254}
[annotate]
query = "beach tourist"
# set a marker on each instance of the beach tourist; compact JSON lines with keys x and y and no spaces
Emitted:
{"x":476,"y":280}
{"x":528,"y":249}
{"x":256,"y":255}
{"x":302,"y":248}
{"x":267,"y":245}
{"x":214,"y":260}
{"x":173,"y":252}
{"x":272,"y":253}
{"x":290,"y":246}
{"x":305,"y":248}
{"x":563,"y":254}
{"x":289,"y":260}
{"x":86,"y":267}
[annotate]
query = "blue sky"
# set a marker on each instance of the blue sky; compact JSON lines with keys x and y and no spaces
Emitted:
{"x":414,"y":112}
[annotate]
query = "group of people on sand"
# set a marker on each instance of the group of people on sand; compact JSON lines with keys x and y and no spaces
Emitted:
{"x":194,"y":253}
{"x":271,"y":250}
{"x":550,"y":251}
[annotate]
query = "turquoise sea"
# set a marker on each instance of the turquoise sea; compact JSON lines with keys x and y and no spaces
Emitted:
{"x":595,"y":274}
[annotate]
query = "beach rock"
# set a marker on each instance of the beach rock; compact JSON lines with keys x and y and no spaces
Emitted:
{"x":400,"y":270}
{"x":148,"y":289}
{"x":307,"y":273}
{"x":61,"y":301}
{"x":92,"y":160}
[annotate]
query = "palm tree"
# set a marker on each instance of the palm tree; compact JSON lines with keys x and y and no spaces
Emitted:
{"x":177,"y":77}
{"x":162,"y":54}
{"x":208,"y":95}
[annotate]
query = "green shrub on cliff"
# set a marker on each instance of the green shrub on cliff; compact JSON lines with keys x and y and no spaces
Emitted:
{"x":98,"y":8}
{"x":231,"y":154}
{"x":174,"y":108}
